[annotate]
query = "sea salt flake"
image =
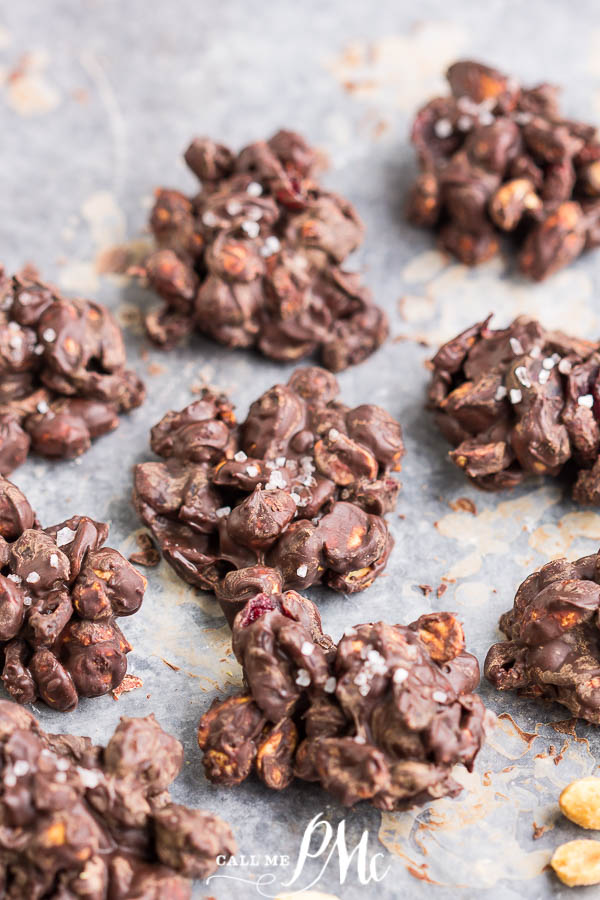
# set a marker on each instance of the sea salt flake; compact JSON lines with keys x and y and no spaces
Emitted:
{"x":254,"y":189}
{"x":240,"y":456}
{"x":399,"y":676}
{"x":49,"y":335}
{"x":21,"y":768}
{"x":548,"y":363}
{"x":464,"y":123}
{"x":252,"y":471}
{"x":586,"y":400}
{"x":330,"y":685}
{"x":280,"y":461}
{"x":10,"y":780}
{"x":515,"y":395}
{"x":270,"y":246}
{"x":303,"y":678}
{"x":16,"y":578}
{"x":535,"y":352}
{"x":252,"y":229}
{"x":522,"y":376}
{"x":443,"y":128}
{"x":32,"y":578}
{"x":501,"y":392}
{"x":543,"y":376}
{"x":364,"y":690}
{"x":302,"y":571}
{"x":42,"y":407}
{"x":63,"y":765}
{"x":89,"y":779}
{"x":516,"y":346}
{"x":27,"y":601}
{"x":64,"y":536}
{"x":307,"y":648}
{"x":439,"y":696}
{"x":61,"y":777}
{"x":222,"y":512}
{"x":54,"y":560}
{"x":209,"y":218}
{"x":234,"y":207}
{"x":333,"y":434}
{"x":359,"y":739}
{"x":564,"y":366}
{"x":296,"y":498}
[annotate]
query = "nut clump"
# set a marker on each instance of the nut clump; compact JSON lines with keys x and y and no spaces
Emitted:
{"x":293,"y":496}
{"x":63,"y":380}
{"x":520,"y":401}
{"x":552,"y":649}
{"x":254,"y":258}
{"x":580,"y":802}
{"x":497,"y":158}
{"x":79,"y":820}
{"x":61,"y":592}
{"x":383,"y":716}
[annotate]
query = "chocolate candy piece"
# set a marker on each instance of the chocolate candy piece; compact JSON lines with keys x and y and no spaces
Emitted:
{"x":86,"y":821}
{"x":552,"y":649}
{"x":293,"y":496}
{"x":383,"y":716}
{"x":253,"y":259}
{"x":520,"y":400}
{"x":62,"y":372}
{"x":60,"y":594}
{"x":497,"y":158}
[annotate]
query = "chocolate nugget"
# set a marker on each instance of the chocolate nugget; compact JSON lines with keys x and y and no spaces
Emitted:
{"x":254,"y":259}
{"x":293,"y":496}
{"x":497,"y":158}
{"x":520,"y":401}
{"x":382,"y":716}
{"x":552,"y":649}
{"x":79,"y":820}
{"x":63,"y":380}
{"x":61,"y":592}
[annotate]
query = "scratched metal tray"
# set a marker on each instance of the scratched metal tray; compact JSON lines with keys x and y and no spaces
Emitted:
{"x":97,"y":101}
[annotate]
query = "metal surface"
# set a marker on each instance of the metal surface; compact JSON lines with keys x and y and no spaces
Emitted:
{"x":98,"y":113}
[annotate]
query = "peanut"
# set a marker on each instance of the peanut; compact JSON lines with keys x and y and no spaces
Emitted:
{"x":580,"y":802}
{"x":577,"y":863}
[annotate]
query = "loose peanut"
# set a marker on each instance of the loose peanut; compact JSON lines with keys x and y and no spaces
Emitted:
{"x":577,"y":863}
{"x":580,"y":802}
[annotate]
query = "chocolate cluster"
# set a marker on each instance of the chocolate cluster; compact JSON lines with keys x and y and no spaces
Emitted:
{"x":552,"y":649}
{"x":520,"y":400}
{"x":63,"y":380}
{"x":497,"y":158}
{"x":382,"y":716}
{"x":293,"y":496}
{"x":61,"y":591}
{"x":83,"y":821}
{"x":254,"y":259}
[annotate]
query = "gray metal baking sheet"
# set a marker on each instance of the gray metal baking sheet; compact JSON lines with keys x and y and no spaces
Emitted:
{"x":98,"y":99}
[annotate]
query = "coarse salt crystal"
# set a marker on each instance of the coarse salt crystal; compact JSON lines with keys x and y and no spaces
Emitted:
{"x":359,"y":739}
{"x":464,"y":123}
{"x":439,"y":696}
{"x":307,"y":648}
{"x":63,"y":765}
{"x":252,"y":229}
{"x":209,"y":218}
{"x":21,"y":767}
{"x":486,"y":118}
{"x":254,"y":189}
{"x":64,"y":536}
{"x":280,"y":461}
{"x":240,"y":456}
{"x":516,"y":346}
{"x":564,"y":366}
{"x":535,"y":352}
{"x":443,"y":128}
{"x":49,"y":335}
{"x":32,"y":578}
{"x":303,"y":678}
{"x":27,"y":601}
{"x":222,"y":511}
{"x":515,"y":395}
{"x":333,"y":434}
{"x":16,"y":578}
{"x":302,"y":571}
{"x":234,"y":207}
{"x":330,"y":684}
{"x":252,"y":471}
{"x":364,"y":690}
{"x":54,"y":560}
{"x":543,"y":376}
{"x":501,"y":392}
{"x":270,"y":246}
{"x":522,"y":376}
{"x":586,"y":400}
{"x":42,"y":407}
{"x":61,"y":777}
{"x":399,"y":676}
{"x":88,"y":778}
{"x":296,"y":497}
{"x":548,"y":363}
{"x":10,"y":780}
